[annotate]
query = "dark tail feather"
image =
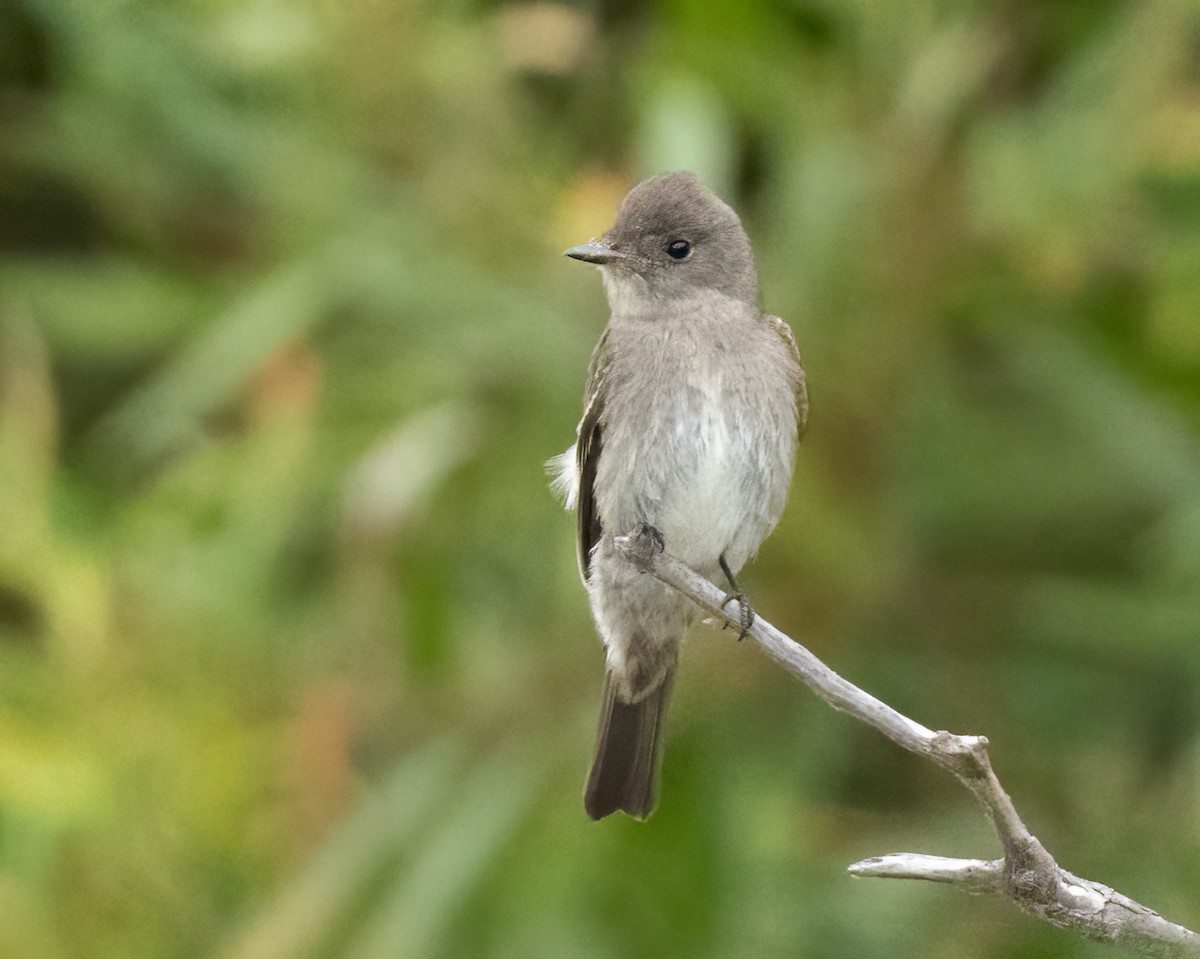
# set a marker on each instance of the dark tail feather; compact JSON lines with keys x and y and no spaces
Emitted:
{"x":625,"y":771}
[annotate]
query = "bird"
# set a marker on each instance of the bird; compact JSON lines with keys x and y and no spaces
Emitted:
{"x":694,"y":405}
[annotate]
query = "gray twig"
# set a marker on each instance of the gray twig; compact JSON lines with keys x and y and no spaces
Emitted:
{"x":1027,"y":874}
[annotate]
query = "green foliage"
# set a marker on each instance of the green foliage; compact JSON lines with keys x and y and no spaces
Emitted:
{"x":293,"y":657}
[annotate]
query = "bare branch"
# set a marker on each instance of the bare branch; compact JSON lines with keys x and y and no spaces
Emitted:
{"x":1027,"y":874}
{"x":973,"y":875}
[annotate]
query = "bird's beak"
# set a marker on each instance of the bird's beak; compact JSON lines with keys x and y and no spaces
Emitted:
{"x":597,"y":251}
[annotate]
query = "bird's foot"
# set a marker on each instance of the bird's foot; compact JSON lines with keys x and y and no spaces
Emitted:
{"x":645,"y":531}
{"x":747,"y":614}
{"x":746,"y":617}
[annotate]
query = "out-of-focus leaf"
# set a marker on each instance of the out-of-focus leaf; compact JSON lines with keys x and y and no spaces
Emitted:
{"x":390,"y":481}
{"x":319,"y":901}
{"x":1175,"y":316}
{"x":166,"y":413}
{"x":417,"y":911}
{"x":685,"y":126}
{"x":1096,"y":617}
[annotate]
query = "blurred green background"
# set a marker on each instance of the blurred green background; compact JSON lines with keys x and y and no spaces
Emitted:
{"x":294,"y":661}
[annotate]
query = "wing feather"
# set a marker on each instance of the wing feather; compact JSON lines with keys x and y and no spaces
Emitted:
{"x":800,"y":386}
{"x":588,"y":446}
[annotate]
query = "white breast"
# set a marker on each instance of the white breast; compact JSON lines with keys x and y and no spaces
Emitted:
{"x":678,"y":452}
{"x":723,"y":504}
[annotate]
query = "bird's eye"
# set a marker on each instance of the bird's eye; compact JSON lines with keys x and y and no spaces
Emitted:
{"x":679,"y":249}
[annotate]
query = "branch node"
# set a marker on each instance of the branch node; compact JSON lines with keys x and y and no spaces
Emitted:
{"x":1031,"y":872}
{"x":965,"y":756}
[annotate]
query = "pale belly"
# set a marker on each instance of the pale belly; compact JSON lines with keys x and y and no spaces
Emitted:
{"x":699,"y":434}
{"x":708,"y":515}
{"x":709,"y":485}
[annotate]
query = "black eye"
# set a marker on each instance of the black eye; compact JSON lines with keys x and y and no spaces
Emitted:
{"x":679,"y":249}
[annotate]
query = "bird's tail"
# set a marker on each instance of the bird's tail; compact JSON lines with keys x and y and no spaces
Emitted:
{"x":625,"y":771}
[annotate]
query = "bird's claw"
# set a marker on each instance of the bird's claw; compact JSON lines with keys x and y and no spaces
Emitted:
{"x":648,"y":531}
{"x":736,"y":592}
{"x":746,"y":619}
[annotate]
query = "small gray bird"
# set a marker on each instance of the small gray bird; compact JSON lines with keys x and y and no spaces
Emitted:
{"x":693,"y":408}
